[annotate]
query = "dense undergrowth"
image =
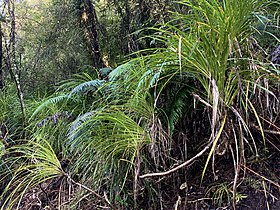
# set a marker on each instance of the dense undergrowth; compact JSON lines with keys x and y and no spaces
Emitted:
{"x":190,"y":124}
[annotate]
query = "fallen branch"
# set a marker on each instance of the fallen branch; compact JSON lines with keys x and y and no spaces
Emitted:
{"x":267,"y":131}
{"x":188,"y":162}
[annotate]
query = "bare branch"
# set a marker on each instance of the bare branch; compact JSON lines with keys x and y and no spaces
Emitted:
{"x":187,"y":163}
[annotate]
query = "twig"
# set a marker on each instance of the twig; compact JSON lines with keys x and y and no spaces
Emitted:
{"x":198,"y":200}
{"x":270,"y":123}
{"x":90,"y":190}
{"x":201,"y":100}
{"x":270,"y":132}
{"x":272,"y":182}
{"x":267,"y":131}
{"x":188,"y":162}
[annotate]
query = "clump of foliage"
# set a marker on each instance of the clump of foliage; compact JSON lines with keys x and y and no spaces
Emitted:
{"x":121,"y":136}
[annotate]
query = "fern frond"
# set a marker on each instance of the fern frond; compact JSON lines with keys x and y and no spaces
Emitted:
{"x":75,"y":81}
{"x":87,"y":87}
{"x":77,"y":127}
{"x":49,"y":102}
{"x":54,"y":118}
{"x":177,"y":107}
{"x":104,"y":72}
{"x":120,"y":70}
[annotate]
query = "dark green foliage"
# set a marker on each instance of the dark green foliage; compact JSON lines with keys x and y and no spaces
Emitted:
{"x":118,"y":137}
{"x":267,"y":28}
{"x":87,"y":87}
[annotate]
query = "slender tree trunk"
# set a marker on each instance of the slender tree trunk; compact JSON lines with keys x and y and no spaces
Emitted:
{"x":90,"y":21}
{"x":128,"y":38}
{"x":11,"y":57}
{"x":2,"y":79}
{"x":132,"y":43}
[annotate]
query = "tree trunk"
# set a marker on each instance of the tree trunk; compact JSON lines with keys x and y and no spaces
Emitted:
{"x":89,"y":19}
{"x":128,"y":37}
{"x":2,"y":82}
{"x":11,"y":58}
{"x":132,"y":41}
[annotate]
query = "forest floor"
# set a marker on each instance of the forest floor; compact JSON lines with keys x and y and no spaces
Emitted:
{"x":257,"y":188}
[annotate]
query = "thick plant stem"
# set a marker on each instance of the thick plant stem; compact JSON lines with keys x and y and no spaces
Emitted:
{"x":136,"y":177}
